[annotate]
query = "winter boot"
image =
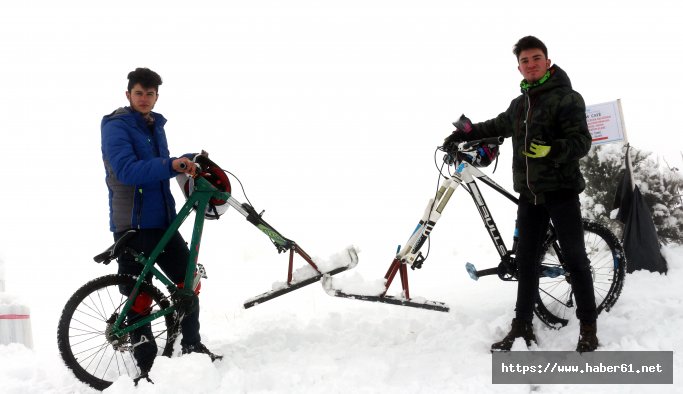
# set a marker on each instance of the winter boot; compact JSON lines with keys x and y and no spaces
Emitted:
{"x":144,"y":348}
{"x":142,"y":376}
{"x":588,"y":340}
{"x":200,"y":348}
{"x":520,"y":329}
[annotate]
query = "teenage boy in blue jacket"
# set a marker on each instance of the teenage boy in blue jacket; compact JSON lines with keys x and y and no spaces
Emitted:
{"x":138,"y":169}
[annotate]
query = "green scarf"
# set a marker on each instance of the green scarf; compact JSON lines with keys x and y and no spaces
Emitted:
{"x":526,"y":85}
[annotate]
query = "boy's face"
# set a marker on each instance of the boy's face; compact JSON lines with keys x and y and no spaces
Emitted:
{"x":142,"y":99}
{"x":533,"y":64}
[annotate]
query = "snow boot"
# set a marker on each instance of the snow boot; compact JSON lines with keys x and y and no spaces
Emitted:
{"x":519,"y":329}
{"x":588,"y":340}
{"x":200,"y":348}
{"x":144,"y":349}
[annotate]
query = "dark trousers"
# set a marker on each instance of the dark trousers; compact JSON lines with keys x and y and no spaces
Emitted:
{"x":173,"y":262}
{"x":564,"y":209}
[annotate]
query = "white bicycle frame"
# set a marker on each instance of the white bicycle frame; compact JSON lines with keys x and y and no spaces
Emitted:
{"x":465,"y":175}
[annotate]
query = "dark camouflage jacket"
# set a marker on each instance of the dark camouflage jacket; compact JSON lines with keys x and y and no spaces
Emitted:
{"x":550,"y":113}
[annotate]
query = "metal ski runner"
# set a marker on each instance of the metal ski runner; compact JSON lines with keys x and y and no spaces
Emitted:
{"x":293,"y":284}
{"x":397,"y":266}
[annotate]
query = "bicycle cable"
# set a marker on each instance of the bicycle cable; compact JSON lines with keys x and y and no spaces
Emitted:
{"x":437,"y":164}
{"x":241,"y":186}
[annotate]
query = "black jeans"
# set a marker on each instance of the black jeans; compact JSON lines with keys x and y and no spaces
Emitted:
{"x":173,"y":262}
{"x":564,"y":209}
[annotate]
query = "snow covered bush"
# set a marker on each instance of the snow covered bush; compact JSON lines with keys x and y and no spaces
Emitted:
{"x":661,"y":188}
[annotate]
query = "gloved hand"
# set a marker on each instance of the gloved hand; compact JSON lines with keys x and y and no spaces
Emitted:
{"x":462,"y":127}
{"x":463,"y":124}
{"x":537,"y":149}
{"x":456,"y":137}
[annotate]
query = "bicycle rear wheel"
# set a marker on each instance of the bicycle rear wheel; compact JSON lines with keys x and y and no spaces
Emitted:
{"x":555,"y":304}
{"x":83,"y":344}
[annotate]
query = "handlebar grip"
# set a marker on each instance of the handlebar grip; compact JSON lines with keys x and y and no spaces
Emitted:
{"x":484,"y":141}
{"x":183,"y":167}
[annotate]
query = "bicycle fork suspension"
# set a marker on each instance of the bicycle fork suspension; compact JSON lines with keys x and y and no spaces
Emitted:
{"x":410,"y":252}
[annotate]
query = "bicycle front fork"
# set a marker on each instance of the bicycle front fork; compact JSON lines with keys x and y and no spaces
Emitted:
{"x":410,"y":252}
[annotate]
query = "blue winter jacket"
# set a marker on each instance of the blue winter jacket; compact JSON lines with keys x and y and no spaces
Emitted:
{"x":138,"y":168}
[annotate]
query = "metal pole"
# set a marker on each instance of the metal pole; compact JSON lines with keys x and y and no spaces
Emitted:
{"x":629,"y":165}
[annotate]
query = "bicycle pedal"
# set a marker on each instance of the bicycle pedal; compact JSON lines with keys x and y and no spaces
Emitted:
{"x":472,"y":271}
{"x":201,"y":271}
{"x":143,"y":340}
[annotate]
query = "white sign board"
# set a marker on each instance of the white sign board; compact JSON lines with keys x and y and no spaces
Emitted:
{"x":605,"y":122}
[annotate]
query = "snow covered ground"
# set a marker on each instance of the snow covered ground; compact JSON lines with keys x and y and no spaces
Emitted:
{"x":309,"y":342}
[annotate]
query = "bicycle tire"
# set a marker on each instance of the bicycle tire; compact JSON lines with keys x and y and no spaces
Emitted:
{"x":81,"y":338}
{"x":554,"y":303}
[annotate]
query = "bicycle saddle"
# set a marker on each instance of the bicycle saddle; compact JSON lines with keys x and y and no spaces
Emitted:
{"x":117,"y":249}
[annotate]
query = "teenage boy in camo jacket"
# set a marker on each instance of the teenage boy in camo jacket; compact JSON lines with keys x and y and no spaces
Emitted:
{"x":547,"y":124}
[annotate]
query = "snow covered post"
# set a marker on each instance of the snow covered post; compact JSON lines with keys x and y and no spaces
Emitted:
{"x":15,"y":318}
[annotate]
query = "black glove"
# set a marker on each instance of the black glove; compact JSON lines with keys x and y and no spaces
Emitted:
{"x":463,"y":124}
{"x":455,"y":138}
{"x":462,"y":127}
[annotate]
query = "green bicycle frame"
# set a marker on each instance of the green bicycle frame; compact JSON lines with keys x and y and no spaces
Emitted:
{"x":203,"y":192}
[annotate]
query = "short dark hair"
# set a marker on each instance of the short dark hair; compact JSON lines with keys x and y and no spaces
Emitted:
{"x":529,"y":42}
{"x":147,"y":78}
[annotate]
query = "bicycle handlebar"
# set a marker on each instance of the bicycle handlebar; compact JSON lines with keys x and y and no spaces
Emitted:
{"x":455,"y":152}
{"x":471,"y":145}
{"x":483,"y":141}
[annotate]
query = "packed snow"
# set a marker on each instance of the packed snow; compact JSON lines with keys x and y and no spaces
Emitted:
{"x":310,"y":342}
